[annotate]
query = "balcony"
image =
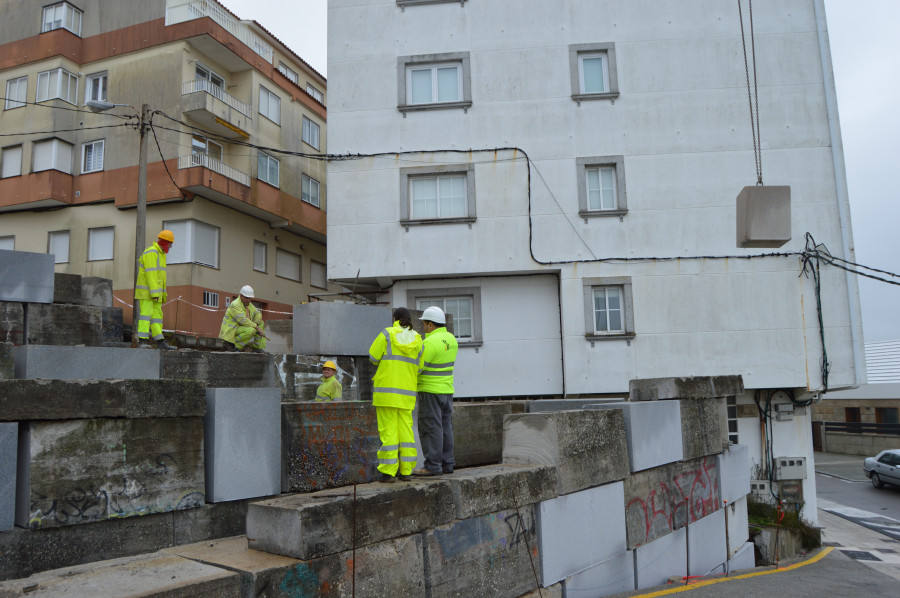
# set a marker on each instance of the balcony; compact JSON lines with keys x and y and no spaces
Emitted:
{"x":215,"y":109}
{"x":214,"y":165}
{"x":179,"y":11}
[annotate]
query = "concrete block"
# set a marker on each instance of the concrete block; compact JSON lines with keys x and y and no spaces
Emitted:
{"x":609,"y":577}
{"x":481,"y":490}
{"x":326,"y":328}
{"x":763,"y":216}
{"x":557,"y":590}
{"x":112,"y":327}
{"x":146,"y":576}
{"x":588,"y":448}
{"x":734,"y":472}
{"x":549,"y":405}
{"x":44,"y":399}
{"x":27,"y":277}
{"x":96,"y":291}
{"x":300,"y":375}
{"x":9,"y":439}
{"x":666,"y":498}
{"x":220,"y":370}
{"x":94,"y":469}
{"x":281,"y":337}
{"x":478,"y":432}
{"x":490,"y":555}
{"x":62,"y":324}
{"x":7,"y":363}
{"x":653,"y":432}
{"x":743,"y":559}
{"x":660,"y":559}
{"x":242,"y":448}
{"x":700,"y":387}
{"x":704,"y":427}
{"x":12,"y":323}
{"x":580,"y":530}
{"x":706,"y":545}
{"x":67,"y":288}
{"x":738,"y":524}
{"x":327,"y":445}
{"x":210,"y":520}
{"x":307,"y":526}
{"x":87,"y":363}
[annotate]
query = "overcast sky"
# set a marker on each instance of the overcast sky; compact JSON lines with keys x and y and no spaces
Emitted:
{"x":865,"y":51}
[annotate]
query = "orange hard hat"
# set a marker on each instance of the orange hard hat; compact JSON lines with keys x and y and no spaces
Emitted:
{"x":166,"y":235}
{"x":329,"y":364}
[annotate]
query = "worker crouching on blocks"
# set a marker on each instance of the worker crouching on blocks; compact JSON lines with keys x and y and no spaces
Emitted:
{"x":243,"y":328}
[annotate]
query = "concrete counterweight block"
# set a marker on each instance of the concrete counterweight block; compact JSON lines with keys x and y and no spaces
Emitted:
{"x":743,"y":558}
{"x":9,"y":438}
{"x":86,"y":363}
{"x":706,"y":545}
{"x":96,"y":291}
{"x":660,"y":559}
{"x":764,"y":216}
{"x":478,"y":432}
{"x":27,"y":277}
{"x":220,"y":370}
{"x":12,"y":323}
{"x":653,"y":432}
{"x":699,"y":387}
{"x":242,"y":444}
{"x":734,"y":472}
{"x":65,"y":324}
{"x":67,"y":288}
{"x":609,"y":577}
{"x":704,"y":427}
{"x":481,"y":490}
{"x":588,"y":448}
{"x":7,"y":363}
{"x":326,"y":328}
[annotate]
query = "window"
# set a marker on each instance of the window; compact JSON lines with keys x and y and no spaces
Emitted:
{"x":459,"y":307}
{"x":593,"y":71}
{"x":53,"y":154}
{"x":58,"y":83}
{"x":259,"y":256}
{"x":851,"y":415}
{"x":309,"y":191}
{"x":287,"y":265}
{"x":16,"y":90}
{"x":62,"y":16}
{"x":203,"y":73}
{"x":608,"y":308}
{"x":92,"y":156}
{"x":731,"y":410}
{"x":433,"y":194}
{"x":201,"y":146}
{"x":8,"y":242}
{"x":463,"y":303}
{"x":317,"y":275}
{"x":58,"y":245}
{"x":210,"y":299}
{"x":269,"y":105}
{"x":95,"y":88}
{"x":886,"y":415}
{"x":434,"y":81}
{"x":195,"y":242}
{"x":100,"y":243}
{"x":601,"y":186}
{"x":285,"y":70}
{"x":267,"y":169}
{"x":315,"y":93}
{"x":11,"y":159}
{"x":310,"y":133}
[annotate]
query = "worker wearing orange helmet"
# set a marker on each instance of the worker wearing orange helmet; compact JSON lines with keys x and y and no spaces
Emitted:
{"x":150,"y":290}
{"x":330,"y":389}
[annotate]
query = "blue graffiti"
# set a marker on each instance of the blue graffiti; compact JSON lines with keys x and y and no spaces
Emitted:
{"x":300,"y":582}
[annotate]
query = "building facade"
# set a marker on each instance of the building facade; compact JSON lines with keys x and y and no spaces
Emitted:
{"x":219,"y":91}
{"x":561,"y":177}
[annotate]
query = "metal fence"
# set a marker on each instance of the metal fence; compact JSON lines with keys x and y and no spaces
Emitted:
{"x":861,"y":428}
{"x":179,"y":11}
{"x":205,"y":161}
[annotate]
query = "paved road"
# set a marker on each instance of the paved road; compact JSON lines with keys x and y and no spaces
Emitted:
{"x":861,"y":495}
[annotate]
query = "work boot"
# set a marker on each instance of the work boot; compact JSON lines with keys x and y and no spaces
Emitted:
{"x":421,"y":472}
{"x":387,"y":479}
{"x":163,"y":345}
{"x":403,"y":478}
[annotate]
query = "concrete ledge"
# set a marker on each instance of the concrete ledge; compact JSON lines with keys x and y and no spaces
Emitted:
{"x":700,"y":387}
{"x":549,"y":405}
{"x":87,"y":363}
{"x":482,"y":490}
{"x":219,"y":370}
{"x":27,"y":277}
{"x":43,"y":399}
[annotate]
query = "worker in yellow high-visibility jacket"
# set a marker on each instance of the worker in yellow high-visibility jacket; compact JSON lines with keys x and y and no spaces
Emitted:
{"x":243,"y":327}
{"x":397,"y":352}
{"x":330,"y":388}
{"x":150,"y":290}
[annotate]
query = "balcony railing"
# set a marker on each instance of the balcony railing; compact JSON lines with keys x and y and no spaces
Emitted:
{"x":205,"y":161}
{"x":860,"y":428}
{"x":217,"y":92}
{"x":179,"y":11}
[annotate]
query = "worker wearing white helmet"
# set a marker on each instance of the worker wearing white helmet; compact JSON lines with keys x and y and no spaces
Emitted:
{"x":243,"y":328}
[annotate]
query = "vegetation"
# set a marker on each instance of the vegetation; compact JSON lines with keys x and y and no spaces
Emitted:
{"x":763,"y":514}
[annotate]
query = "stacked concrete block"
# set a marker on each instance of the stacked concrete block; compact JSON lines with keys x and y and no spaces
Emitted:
{"x":657,"y":561}
{"x":281,"y":337}
{"x":87,"y":363}
{"x":578,"y":531}
{"x":706,"y":545}
{"x":7,"y":363}
{"x":328,"y":444}
{"x":242,"y":446}
{"x":743,"y":559}
{"x":299,"y":376}
{"x":704,"y":427}
{"x":478,"y":432}
{"x":27,"y":277}
{"x":482,"y":490}
{"x":326,"y":328}
{"x":700,"y":387}
{"x":9,"y":439}
{"x":12,"y":323}
{"x":734,"y":472}
{"x":220,"y":370}
{"x":588,"y":448}
{"x":96,"y":291}
{"x":67,"y":324}
{"x":738,"y":525}
{"x":653,"y":432}
{"x":609,"y":577}
{"x":308,"y":526}
{"x":67,"y":288}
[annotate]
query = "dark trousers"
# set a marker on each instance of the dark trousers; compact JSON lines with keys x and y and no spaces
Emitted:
{"x":436,"y":431}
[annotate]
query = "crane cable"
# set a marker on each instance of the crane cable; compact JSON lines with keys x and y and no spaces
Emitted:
{"x":754,"y":97}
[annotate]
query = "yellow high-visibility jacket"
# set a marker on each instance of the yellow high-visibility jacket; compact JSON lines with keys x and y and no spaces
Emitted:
{"x":238,"y":315}
{"x":151,"y":280}
{"x":398,"y":354}
{"x":439,"y":356}
{"x":329,"y":390}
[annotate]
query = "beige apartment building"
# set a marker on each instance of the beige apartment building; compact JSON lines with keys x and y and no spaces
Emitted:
{"x":226,"y":100}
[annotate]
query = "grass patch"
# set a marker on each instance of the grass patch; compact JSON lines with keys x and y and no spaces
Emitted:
{"x":761,"y":514}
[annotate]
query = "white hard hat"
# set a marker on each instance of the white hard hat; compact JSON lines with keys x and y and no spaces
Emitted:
{"x":247,"y":291}
{"x":434,"y":314}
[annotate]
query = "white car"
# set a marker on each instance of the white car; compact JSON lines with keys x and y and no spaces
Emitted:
{"x":883,"y":468}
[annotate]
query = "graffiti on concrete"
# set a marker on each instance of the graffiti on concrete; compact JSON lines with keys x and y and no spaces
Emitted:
{"x":504,"y":531}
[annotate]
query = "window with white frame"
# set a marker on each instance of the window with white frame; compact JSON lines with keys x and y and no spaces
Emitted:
{"x":288,"y":72}
{"x":593,"y":71}
{"x":601,"y":186}
{"x":203,"y":73}
{"x":95,"y":87}
{"x":317,"y":274}
{"x":732,"y":417}
{"x":315,"y":93}
{"x":443,"y":193}
{"x":210,"y":299}
{"x":11,"y":161}
{"x":459,"y":307}
{"x":8,"y":242}
{"x":58,"y":245}
{"x":463,"y":303}
{"x":52,"y":154}
{"x":259,"y":256}
{"x":201,"y":146}
{"x":61,"y":16}
{"x":16,"y":91}
{"x":101,"y":243}
{"x":196,"y":242}
{"x":434,"y":81}
{"x":309,"y":190}
{"x":267,"y":169}
{"x":310,"y":132}
{"x":269,"y":105}
{"x":57,"y":83}
{"x":607,"y":308}
{"x":92,"y":156}
{"x":287,"y":265}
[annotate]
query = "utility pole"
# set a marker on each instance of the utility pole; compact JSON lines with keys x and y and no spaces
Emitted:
{"x":140,"y":234}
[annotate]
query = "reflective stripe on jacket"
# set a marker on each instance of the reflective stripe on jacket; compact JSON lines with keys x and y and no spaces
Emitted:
{"x":439,"y":356}
{"x":151,"y":280}
{"x":237,"y":315}
{"x":398,"y":354}
{"x":329,"y":390}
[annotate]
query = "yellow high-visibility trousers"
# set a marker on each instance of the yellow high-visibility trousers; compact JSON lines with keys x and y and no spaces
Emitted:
{"x":150,"y":320}
{"x":398,"y":444}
